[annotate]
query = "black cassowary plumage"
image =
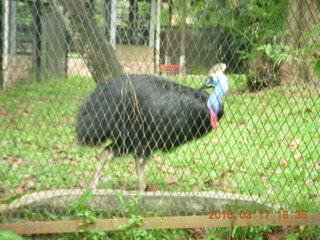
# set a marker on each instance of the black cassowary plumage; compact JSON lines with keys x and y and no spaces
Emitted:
{"x":141,"y":113}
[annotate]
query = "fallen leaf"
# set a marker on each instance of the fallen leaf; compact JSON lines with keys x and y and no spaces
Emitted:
{"x":294,"y":144}
{"x":230,"y":171}
{"x":70,"y":161}
{"x":311,"y":196}
{"x":229,"y":190}
{"x":167,"y":168}
{"x":254,"y":134}
{"x":20,"y":188}
{"x":197,"y":161}
{"x":151,"y":188}
{"x":58,"y":150}
{"x":30,"y":185}
{"x":242,"y":122}
{"x":275,"y":235}
{"x":263,"y":178}
{"x":90,"y":173}
{"x":225,"y":182}
{"x":66,"y":118}
{"x":308,"y":110}
{"x":309,"y":181}
{"x":212,"y":183}
{"x":4,"y":155}
{"x":34,"y":147}
{"x":4,"y":143}
{"x":297,"y":155}
{"x":213,"y":155}
{"x":282,"y":161}
{"x":131,"y":165}
{"x":214,"y":140}
{"x":83,"y":184}
{"x":2,"y":111}
{"x":158,"y":158}
{"x":197,"y":233}
{"x":15,"y":163}
{"x":314,"y":165}
{"x":170,"y":180}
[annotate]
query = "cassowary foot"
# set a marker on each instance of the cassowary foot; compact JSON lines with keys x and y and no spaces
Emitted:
{"x":106,"y":155}
{"x":140,"y":163}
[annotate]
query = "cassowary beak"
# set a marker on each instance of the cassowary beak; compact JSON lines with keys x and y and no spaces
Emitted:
{"x":203,"y":87}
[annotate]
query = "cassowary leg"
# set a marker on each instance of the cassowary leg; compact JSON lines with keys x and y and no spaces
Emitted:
{"x":107,"y":155}
{"x":140,"y":163}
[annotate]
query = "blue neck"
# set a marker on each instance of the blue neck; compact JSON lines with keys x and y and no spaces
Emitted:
{"x":214,"y":99}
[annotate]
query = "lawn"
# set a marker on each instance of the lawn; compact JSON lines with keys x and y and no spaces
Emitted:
{"x":267,"y":144}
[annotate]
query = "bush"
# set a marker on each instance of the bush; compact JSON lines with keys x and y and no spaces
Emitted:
{"x":264,"y":68}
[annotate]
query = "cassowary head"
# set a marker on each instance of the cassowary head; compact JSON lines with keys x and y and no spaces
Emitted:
{"x":218,"y":79}
{"x":219,"y":82}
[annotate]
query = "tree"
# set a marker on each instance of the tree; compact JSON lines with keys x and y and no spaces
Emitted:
{"x":302,"y":18}
{"x":88,"y":38}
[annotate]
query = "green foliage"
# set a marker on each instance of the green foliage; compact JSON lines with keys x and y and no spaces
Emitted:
{"x":8,"y":235}
{"x":254,"y":20}
{"x":276,"y":53}
{"x":265,"y":65}
{"x":81,"y":210}
{"x":313,"y":49}
{"x":130,"y":211}
{"x":242,"y":27}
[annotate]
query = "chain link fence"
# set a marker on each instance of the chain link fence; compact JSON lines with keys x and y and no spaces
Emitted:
{"x":106,"y":95}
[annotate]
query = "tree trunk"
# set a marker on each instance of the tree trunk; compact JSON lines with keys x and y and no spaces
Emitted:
{"x":89,"y":39}
{"x":302,"y":16}
{"x":53,"y":46}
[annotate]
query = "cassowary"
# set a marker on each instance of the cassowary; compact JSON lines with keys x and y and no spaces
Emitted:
{"x":141,"y":113}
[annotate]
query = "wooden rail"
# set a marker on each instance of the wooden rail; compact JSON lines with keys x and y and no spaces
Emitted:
{"x":164,"y":223}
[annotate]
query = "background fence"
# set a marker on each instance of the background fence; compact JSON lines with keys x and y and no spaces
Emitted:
{"x":264,"y":156}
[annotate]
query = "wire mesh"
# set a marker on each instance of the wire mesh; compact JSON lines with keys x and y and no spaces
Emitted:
{"x":56,"y":53}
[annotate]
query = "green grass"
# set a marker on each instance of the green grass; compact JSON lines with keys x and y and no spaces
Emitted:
{"x":249,"y":154}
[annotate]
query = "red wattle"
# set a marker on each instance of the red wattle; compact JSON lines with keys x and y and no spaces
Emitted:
{"x":213,"y":120}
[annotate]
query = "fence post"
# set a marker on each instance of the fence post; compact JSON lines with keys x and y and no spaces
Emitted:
{"x":113,"y":23}
{"x":152,"y":22}
{"x":157,"y":55}
{"x":37,"y":20}
{"x":1,"y":49}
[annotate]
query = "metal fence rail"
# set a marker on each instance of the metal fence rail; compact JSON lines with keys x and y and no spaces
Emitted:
{"x":106,"y":95}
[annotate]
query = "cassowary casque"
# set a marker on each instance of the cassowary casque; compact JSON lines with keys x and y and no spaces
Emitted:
{"x":141,"y":113}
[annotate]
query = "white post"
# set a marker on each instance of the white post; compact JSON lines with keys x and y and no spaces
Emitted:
{"x":157,"y":56}
{"x":10,"y":27}
{"x":6,"y":29}
{"x":9,"y":36}
{"x":152,"y":23}
{"x":13,"y":27}
{"x":113,"y":23}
